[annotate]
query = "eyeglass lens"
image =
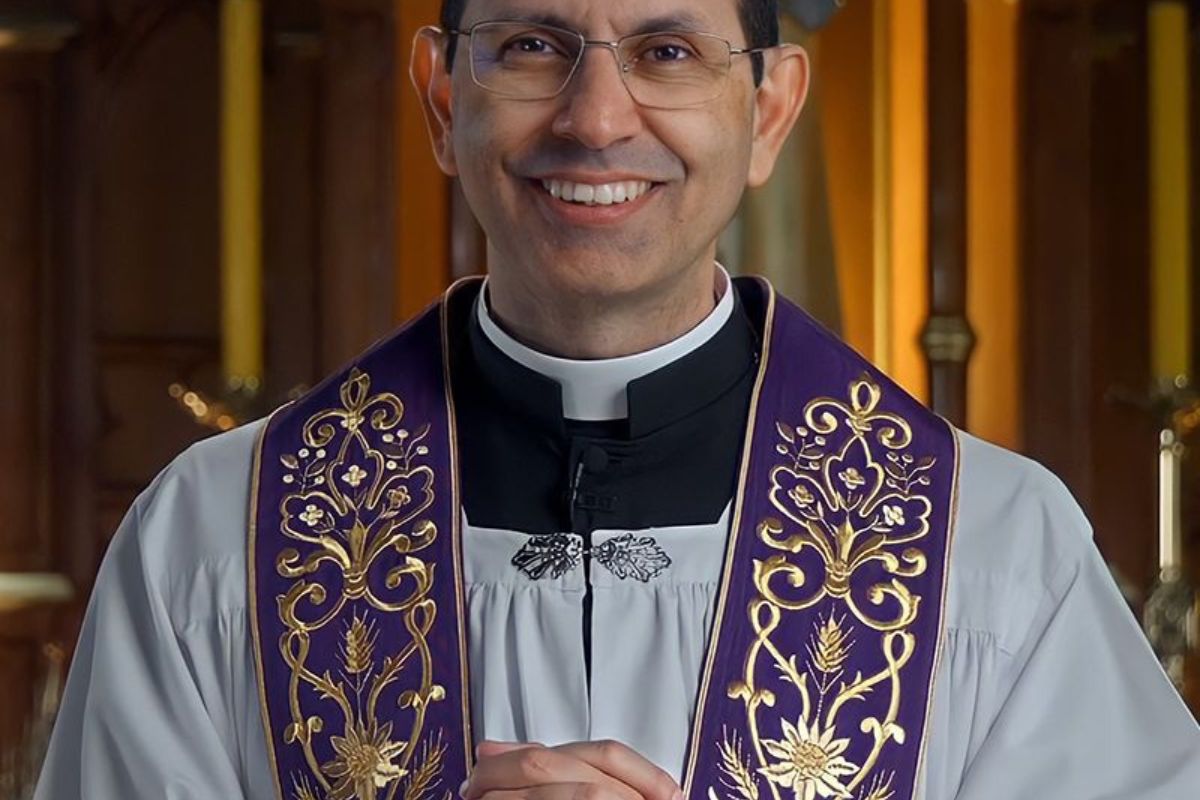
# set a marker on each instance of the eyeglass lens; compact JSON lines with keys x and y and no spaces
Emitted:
{"x":664,"y":70}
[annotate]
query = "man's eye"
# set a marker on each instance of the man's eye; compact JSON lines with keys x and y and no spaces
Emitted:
{"x":530,"y":45}
{"x":669,"y":52}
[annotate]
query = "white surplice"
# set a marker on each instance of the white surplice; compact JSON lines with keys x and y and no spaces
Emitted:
{"x":1047,"y":688}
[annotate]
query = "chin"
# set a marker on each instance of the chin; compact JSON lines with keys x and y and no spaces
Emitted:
{"x":601,"y":279}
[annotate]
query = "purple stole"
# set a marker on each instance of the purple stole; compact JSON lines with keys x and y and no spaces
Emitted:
{"x":819,"y":673}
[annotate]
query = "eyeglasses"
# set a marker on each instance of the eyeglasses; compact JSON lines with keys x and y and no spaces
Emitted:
{"x":665,"y":70}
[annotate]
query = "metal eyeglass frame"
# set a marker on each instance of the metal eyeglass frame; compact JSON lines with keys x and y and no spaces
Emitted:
{"x":613,"y":46}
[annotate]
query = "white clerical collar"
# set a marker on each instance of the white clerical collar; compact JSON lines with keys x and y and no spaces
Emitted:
{"x":595,"y":390}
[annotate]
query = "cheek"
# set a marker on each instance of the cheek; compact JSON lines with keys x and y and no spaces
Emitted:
{"x":716,"y":152}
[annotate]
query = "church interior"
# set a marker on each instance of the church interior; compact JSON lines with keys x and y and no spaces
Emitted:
{"x":207,"y":205}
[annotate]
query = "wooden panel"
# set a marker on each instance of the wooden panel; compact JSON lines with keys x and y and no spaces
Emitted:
{"x":291,"y":236}
{"x":1084,"y":282}
{"x":155,"y":234}
{"x":423,"y":199}
{"x":155,"y":258}
{"x":947,"y":75}
{"x":19,"y":667}
{"x":358,"y":209}
{"x":23,"y":267}
{"x":25,"y":665}
{"x":1056,"y":241}
{"x":1124,"y":444}
{"x":142,"y":427}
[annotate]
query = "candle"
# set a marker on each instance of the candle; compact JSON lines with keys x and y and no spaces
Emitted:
{"x":241,"y":195}
{"x":1170,"y":518}
{"x":1170,"y":174}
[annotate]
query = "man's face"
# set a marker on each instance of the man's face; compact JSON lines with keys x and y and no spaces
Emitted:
{"x":508,"y":152}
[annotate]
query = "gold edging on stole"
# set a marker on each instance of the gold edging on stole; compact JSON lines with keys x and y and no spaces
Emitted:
{"x":935,"y":671}
{"x":456,"y":540}
{"x":252,"y":589}
{"x":731,"y":547}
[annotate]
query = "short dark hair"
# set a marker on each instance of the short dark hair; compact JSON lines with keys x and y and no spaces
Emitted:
{"x":760,"y":21}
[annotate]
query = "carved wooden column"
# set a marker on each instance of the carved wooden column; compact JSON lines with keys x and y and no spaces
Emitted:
{"x":948,"y":338}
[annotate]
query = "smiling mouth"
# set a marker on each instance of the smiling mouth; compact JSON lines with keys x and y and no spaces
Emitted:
{"x":604,"y":194}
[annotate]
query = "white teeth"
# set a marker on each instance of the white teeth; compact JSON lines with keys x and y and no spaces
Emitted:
{"x":584,"y":194}
{"x":605,"y":194}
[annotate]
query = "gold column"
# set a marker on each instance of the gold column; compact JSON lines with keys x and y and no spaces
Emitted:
{"x":1169,"y":616}
{"x":881,"y":135}
{"x":1170,"y":174}
{"x":909,"y":193}
{"x":241,"y":196}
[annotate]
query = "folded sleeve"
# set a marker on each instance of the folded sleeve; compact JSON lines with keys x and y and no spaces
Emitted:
{"x":133,"y":724}
{"x":1091,"y":714}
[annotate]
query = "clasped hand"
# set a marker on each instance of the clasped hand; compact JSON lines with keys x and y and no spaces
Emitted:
{"x":578,"y":771}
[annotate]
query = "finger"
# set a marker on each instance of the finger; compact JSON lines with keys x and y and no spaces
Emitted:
{"x":627,"y":766}
{"x":556,"y":791}
{"x":488,"y":747}
{"x":530,"y":767}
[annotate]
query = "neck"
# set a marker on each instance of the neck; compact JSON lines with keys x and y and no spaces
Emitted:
{"x":598,"y":389}
{"x":582,"y":326}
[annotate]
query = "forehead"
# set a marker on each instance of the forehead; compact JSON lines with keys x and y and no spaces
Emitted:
{"x":614,"y":17}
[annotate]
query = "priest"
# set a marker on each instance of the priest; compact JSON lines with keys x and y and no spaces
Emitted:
{"x":610,"y":524}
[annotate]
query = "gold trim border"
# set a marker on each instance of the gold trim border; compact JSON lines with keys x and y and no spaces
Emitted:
{"x":735,"y":526}
{"x":456,"y":543}
{"x":940,"y":644}
{"x":252,"y":602}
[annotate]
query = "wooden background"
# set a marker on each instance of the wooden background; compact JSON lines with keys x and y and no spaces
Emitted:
{"x":109,"y":241}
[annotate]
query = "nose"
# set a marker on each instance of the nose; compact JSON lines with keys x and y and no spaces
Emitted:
{"x":598,"y":110}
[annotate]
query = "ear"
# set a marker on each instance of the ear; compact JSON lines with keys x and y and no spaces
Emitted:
{"x":433,"y":84}
{"x":777,"y":105}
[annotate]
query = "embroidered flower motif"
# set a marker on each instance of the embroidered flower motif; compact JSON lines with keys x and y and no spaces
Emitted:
{"x":312,"y":515}
{"x":354,"y":476}
{"x":801,"y":495}
{"x":893,"y":516}
{"x":811,"y":762}
{"x":363,"y":764}
{"x":399,"y":497}
{"x":852,"y":478}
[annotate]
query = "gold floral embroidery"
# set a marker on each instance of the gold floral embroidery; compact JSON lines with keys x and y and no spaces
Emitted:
{"x":357,"y":492}
{"x":811,"y":762}
{"x":850,"y":497}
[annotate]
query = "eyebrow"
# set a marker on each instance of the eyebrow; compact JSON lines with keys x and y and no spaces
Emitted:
{"x":679,"y":21}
